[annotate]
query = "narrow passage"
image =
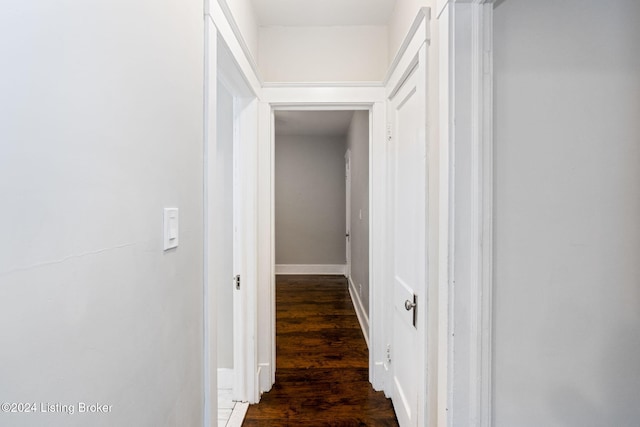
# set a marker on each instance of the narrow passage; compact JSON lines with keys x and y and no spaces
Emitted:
{"x":322,"y":361}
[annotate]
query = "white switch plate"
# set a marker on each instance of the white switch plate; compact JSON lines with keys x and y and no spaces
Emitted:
{"x":171,"y":222}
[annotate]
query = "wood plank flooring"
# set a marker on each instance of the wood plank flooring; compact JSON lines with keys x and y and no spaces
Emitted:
{"x":322,"y":361}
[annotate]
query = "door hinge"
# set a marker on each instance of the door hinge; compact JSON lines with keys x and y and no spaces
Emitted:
{"x":236,"y":280}
{"x":389,"y":132}
{"x":388,"y":353}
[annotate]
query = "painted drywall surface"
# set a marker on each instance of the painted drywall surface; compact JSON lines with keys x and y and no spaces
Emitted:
{"x":335,"y":53}
{"x":567,"y":205}
{"x":310,"y":200}
{"x":358,"y":144}
{"x":323,"y":54}
{"x":101,"y":129}
{"x":245,"y":18}
{"x":400,"y":21}
{"x":222,"y":222}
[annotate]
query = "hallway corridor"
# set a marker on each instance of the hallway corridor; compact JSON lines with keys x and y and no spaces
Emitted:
{"x":322,"y":361}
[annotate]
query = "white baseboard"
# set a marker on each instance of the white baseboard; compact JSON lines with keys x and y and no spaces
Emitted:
{"x":264,"y":377}
{"x":363,"y":319}
{"x":381,"y":371}
{"x":310,"y":269}
{"x":225,"y":378}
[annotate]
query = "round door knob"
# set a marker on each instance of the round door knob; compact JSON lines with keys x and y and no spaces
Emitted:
{"x":409,"y":305}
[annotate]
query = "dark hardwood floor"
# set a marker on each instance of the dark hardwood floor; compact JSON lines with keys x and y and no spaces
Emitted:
{"x":322,"y":361}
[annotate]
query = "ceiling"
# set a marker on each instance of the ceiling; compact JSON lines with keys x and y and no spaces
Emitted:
{"x":323,"y":12}
{"x":313,"y":123}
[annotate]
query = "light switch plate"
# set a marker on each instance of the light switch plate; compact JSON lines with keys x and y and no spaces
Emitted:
{"x":171,"y":222}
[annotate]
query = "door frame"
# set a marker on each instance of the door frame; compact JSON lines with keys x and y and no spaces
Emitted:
{"x":350,"y":96}
{"x":221,"y":65}
{"x":309,"y":96}
{"x":466,"y":212}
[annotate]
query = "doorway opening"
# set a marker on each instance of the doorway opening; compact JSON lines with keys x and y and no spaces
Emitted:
{"x":367,"y":105}
{"x":321,"y":198}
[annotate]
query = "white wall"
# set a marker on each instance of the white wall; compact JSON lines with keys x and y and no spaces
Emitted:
{"x":222,"y":221}
{"x":567,"y":236}
{"x":323,"y":54}
{"x":101,"y":128}
{"x":358,"y":144}
{"x":245,"y":18}
{"x":310,"y":200}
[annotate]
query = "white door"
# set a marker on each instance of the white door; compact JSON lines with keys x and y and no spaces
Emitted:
{"x":234,"y":152}
{"x":236,"y":281}
{"x":226,"y":215}
{"x":347,"y":173}
{"x":407,"y":112}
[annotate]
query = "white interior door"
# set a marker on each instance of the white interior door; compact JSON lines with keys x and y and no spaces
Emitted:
{"x":237,"y":277}
{"x":226,"y":216}
{"x":407,"y":111}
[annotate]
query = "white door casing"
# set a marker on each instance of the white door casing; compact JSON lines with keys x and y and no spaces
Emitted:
{"x":328,"y":97}
{"x":210,"y":383}
{"x":408,"y":187}
{"x":466,"y":202}
{"x":222,"y":67}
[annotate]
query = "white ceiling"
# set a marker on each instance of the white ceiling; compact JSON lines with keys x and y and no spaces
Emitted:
{"x":323,"y":12}
{"x":313,"y":123}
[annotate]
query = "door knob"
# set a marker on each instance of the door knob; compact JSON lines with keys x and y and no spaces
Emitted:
{"x":408,"y":305}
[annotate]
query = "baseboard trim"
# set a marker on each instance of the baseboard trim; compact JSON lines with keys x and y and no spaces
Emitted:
{"x":264,"y":377}
{"x":310,"y":269}
{"x":225,"y":378}
{"x":363,"y":319}
{"x":381,"y":370}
